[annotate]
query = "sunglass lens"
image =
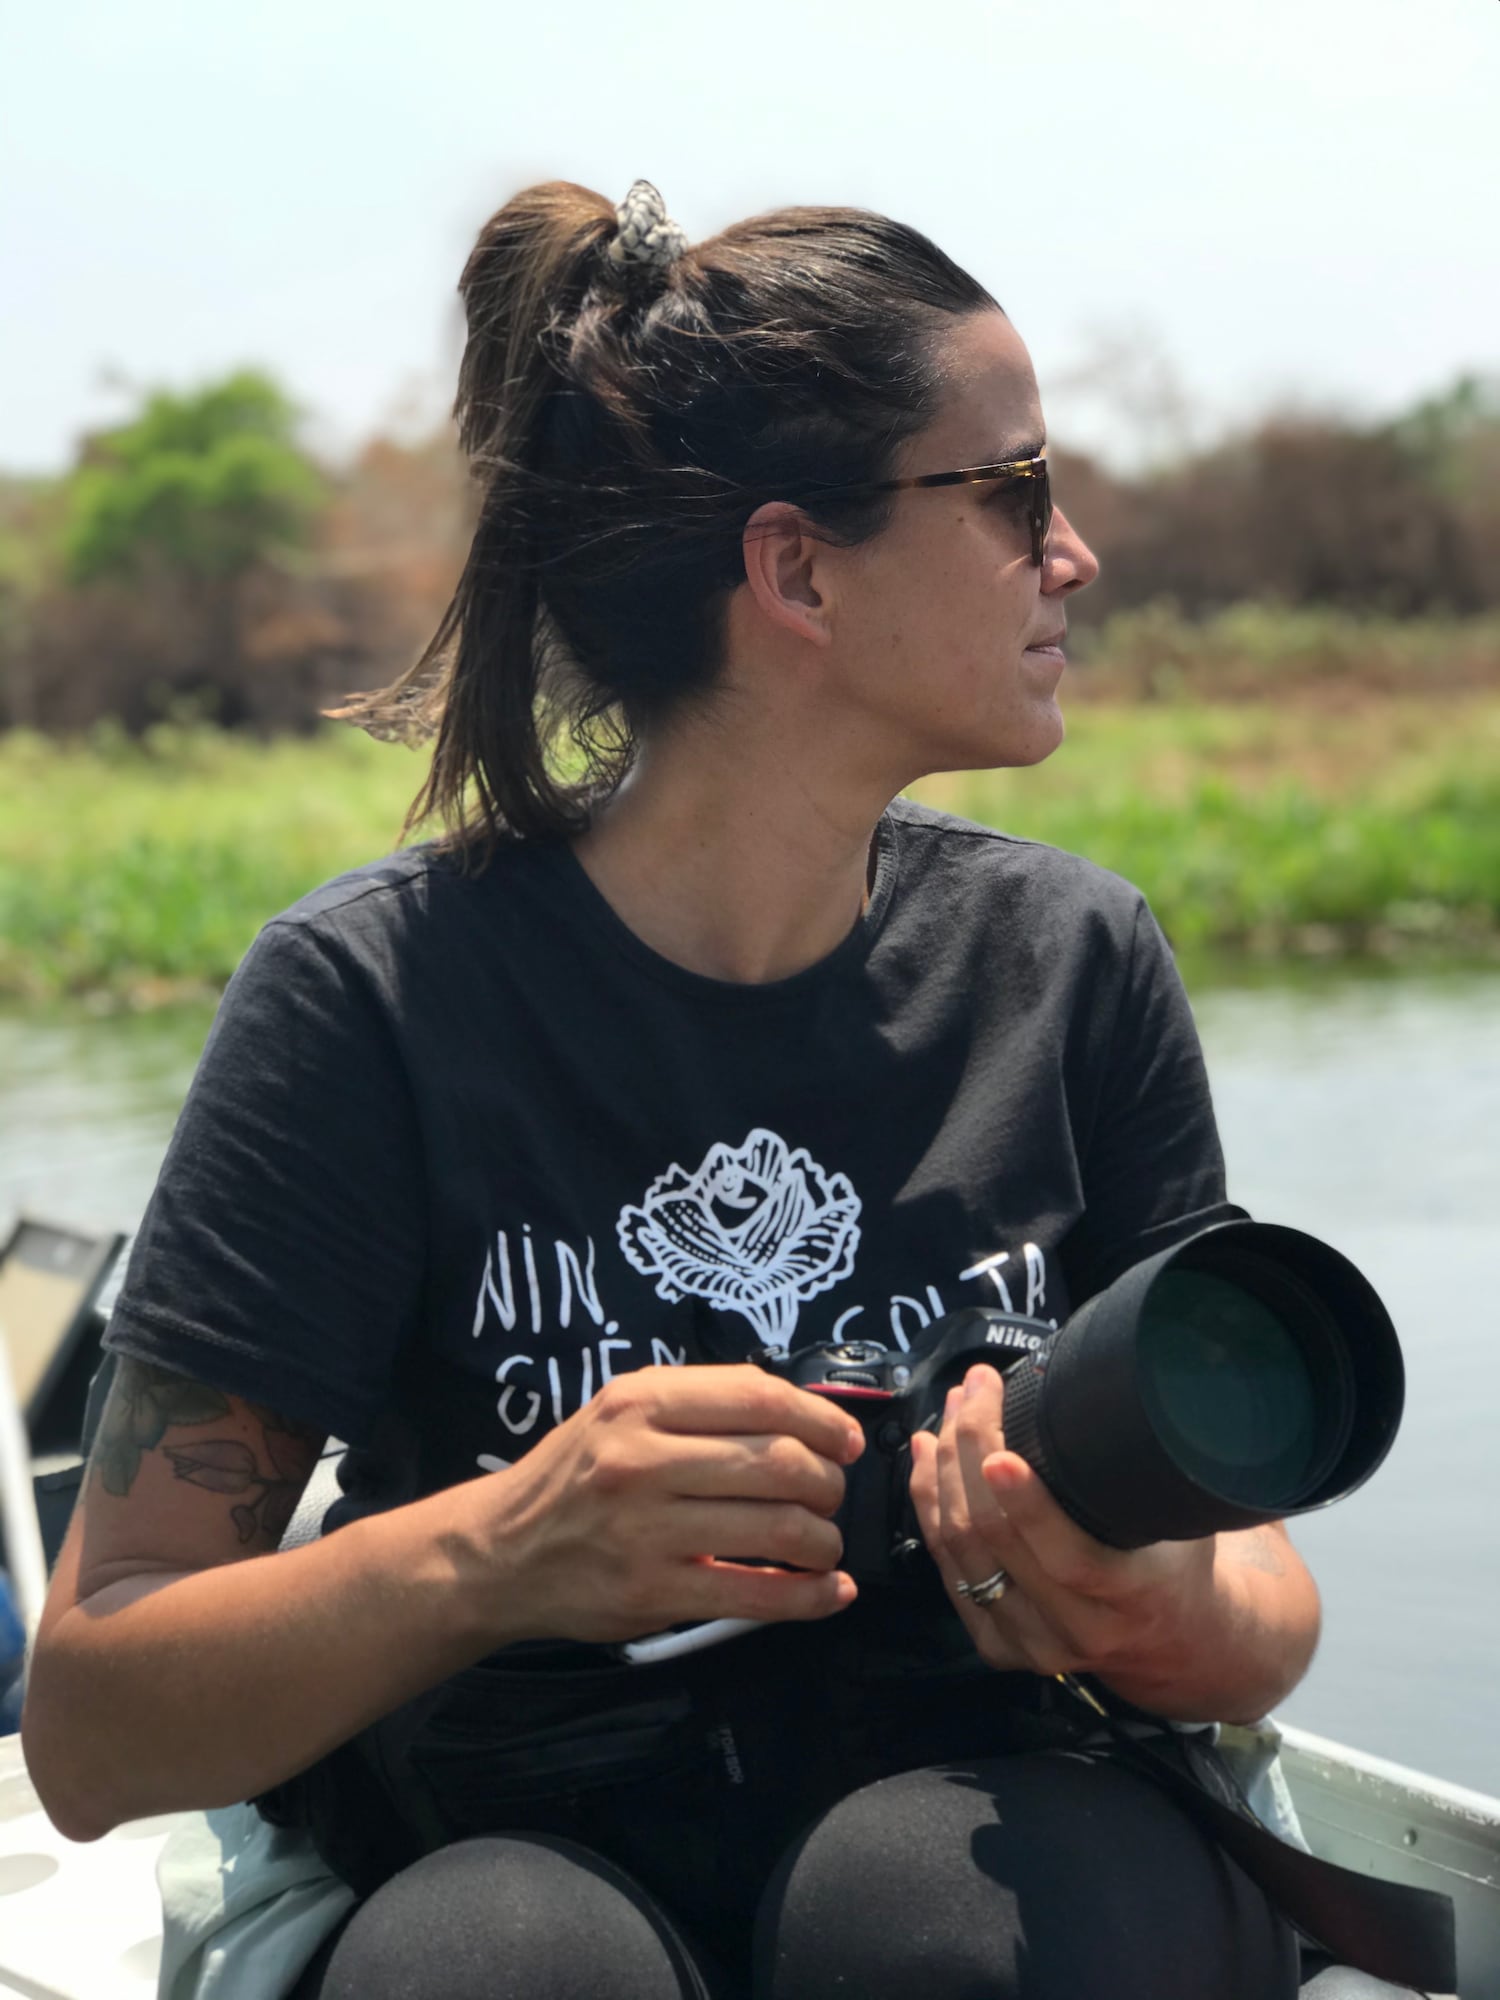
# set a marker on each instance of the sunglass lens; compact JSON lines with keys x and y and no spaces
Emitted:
{"x":1041,"y":514}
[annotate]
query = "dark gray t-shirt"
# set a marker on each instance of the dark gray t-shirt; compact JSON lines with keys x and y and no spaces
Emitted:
{"x":462,"y":1148}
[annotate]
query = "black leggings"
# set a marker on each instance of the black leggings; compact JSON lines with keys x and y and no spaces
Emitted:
{"x":1038,"y":1877}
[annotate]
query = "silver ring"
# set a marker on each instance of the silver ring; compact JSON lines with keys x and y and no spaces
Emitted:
{"x":987,"y":1593}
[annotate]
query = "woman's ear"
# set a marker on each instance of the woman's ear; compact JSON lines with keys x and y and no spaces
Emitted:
{"x":787,"y":571}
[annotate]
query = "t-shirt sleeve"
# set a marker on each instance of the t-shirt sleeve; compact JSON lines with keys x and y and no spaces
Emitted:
{"x":1151,"y":1162}
{"x":281,"y":1255}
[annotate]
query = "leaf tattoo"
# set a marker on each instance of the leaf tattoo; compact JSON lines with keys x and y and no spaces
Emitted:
{"x":145,"y":1401}
{"x":293,"y":1447}
{"x":220,"y":1465}
{"x":224,"y":1465}
{"x":1261,"y":1549}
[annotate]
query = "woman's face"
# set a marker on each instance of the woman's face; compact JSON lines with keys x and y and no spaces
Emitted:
{"x":945,"y":628}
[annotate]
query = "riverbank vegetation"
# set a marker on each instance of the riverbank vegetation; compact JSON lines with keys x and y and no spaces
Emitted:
{"x":1284,"y":709}
{"x":1325,"y":823}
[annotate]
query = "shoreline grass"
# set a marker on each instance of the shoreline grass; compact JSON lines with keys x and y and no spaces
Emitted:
{"x":139,"y":872}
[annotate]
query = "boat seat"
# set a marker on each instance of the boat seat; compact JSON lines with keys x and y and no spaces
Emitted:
{"x":52,"y":1281}
{"x":306,"y":1525}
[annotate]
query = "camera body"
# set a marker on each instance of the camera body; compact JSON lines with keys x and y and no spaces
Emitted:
{"x":891,"y":1393}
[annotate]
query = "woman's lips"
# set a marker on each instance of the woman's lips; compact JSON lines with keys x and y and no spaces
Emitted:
{"x":1049,"y":653}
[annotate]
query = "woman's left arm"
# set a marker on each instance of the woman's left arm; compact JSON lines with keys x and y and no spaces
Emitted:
{"x":1217,"y":1630}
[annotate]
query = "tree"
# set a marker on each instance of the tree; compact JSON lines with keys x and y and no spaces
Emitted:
{"x":202,"y":486}
{"x":170,"y":551}
{"x":1454,"y":440}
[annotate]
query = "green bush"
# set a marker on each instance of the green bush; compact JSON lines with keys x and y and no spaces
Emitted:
{"x":203,"y":484}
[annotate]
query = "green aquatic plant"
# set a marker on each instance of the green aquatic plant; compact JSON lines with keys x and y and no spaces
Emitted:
{"x":142,"y":869}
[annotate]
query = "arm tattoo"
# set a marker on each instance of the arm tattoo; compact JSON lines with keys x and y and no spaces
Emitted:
{"x":145,"y":1402}
{"x":1261,"y":1549}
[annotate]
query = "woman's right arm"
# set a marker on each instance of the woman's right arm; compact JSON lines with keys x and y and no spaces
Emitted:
{"x":184,"y":1660}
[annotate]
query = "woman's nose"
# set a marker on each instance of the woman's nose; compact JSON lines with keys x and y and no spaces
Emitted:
{"x":1068,"y":563}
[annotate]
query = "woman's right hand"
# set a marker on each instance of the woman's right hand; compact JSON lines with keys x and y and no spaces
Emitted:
{"x":655,"y":1503}
{"x":185,"y":1661}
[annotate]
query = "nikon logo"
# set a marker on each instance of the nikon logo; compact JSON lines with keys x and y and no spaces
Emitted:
{"x":1014,"y":1336}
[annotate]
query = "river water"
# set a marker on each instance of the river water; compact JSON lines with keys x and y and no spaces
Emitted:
{"x":1366,"y":1111}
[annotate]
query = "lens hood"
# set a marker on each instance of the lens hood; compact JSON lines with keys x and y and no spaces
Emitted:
{"x":1087,"y":1411}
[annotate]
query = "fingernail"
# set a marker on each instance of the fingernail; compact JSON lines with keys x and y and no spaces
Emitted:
{"x":853,"y":1446}
{"x":973,"y":1383}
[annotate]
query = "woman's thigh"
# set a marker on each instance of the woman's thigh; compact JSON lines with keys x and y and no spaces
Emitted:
{"x":1048,"y":1877}
{"x":510,"y":1917}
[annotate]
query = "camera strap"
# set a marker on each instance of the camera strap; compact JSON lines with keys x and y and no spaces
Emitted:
{"x":1388,"y":1929}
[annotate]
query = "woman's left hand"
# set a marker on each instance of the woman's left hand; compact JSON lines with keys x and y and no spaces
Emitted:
{"x":1073,"y":1604}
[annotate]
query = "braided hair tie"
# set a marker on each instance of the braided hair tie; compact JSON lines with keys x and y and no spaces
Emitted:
{"x":646,"y":237}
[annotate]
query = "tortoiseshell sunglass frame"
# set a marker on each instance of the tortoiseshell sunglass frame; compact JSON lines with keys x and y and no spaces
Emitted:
{"x":1035,"y":469}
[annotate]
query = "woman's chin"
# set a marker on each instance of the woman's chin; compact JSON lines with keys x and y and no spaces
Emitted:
{"x":1012,"y":742}
{"x":1035,"y":743}
{"x":1005,"y":755}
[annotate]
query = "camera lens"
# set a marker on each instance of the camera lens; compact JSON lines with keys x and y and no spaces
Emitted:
{"x":1231,"y":1389}
{"x":1247,"y":1374}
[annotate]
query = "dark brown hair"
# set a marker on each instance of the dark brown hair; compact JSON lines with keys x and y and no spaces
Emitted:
{"x":623,"y":426}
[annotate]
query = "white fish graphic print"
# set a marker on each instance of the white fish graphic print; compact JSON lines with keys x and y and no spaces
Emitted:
{"x":757,"y":1229}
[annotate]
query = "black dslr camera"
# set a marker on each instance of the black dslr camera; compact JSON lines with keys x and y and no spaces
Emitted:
{"x":1250,"y":1373}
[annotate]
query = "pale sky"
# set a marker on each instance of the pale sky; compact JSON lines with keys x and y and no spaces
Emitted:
{"x":1285,"y":200}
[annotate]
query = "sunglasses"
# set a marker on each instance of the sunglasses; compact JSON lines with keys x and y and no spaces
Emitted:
{"x":1039,"y":497}
{"x":1034,"y":470}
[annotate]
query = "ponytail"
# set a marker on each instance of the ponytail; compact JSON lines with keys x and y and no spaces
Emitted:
{"x":478,"y":682}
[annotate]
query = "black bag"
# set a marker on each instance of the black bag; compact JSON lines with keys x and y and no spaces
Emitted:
{"x":746,"y":1744}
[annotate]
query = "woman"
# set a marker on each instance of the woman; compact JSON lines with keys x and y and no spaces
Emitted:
{"x":685,"y":1042}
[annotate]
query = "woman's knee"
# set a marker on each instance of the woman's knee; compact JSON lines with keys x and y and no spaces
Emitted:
{"x":1341,"y":1982}
{"x":1050,"y":1877}
{"x":510,"y":1918}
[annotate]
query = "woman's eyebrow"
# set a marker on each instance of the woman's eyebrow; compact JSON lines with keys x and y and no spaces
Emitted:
{"x":1014,"y":453}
